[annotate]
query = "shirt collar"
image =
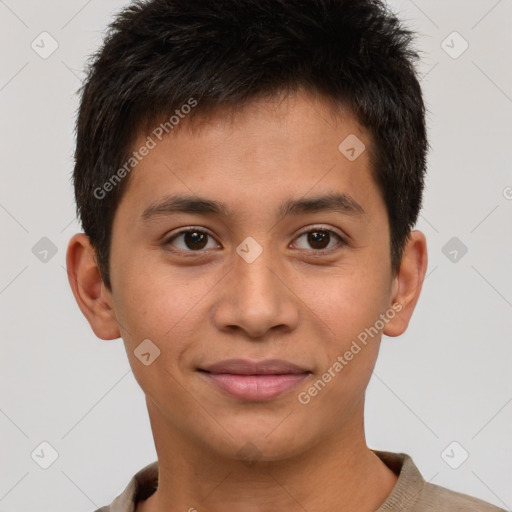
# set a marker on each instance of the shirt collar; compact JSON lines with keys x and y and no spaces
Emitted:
{"x":409,"y":485}
{"x":406,"y":491}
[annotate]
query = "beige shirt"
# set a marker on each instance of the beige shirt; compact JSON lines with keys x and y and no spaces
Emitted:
{"x":410,"y":494}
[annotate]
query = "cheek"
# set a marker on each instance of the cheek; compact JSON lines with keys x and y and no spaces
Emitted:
{"x":157,"y":309}
{"x":346,"y":301}
{"x":158,"y":303}
{"x":349,"y":309}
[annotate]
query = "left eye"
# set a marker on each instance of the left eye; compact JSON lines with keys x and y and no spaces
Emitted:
{"x":319,"y":239}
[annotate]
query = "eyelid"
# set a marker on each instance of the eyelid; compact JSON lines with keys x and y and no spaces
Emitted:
{"x":186,"y":229}
{"x":320,"y":227}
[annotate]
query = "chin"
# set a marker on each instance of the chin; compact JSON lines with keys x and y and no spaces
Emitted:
{"x":262,"y":444}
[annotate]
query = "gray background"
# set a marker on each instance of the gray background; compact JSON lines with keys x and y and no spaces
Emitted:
{"x":447,"y":379}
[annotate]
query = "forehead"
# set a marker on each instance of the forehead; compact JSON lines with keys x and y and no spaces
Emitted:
{"x":265,"y":151}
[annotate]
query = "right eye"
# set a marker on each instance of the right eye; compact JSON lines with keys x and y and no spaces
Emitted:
{"x":190,"y":240}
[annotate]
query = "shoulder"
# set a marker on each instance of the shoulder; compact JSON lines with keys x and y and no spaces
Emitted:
{"x":433,"y":497}
{"x":142,"y":485}
{"x":412,"y":494}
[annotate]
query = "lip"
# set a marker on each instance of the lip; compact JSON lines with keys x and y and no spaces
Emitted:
{"x":248,"y":367}
{"x":254,"y":380}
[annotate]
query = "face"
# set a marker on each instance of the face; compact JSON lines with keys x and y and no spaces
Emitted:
{"x":287,"y":257}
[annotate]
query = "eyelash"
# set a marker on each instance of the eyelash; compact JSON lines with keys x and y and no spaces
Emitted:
{"x":322,"y":229}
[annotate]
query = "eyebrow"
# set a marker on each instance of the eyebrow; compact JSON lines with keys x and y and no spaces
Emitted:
{"x":335,"y":202}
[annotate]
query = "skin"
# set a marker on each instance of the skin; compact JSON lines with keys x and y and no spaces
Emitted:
{"x":292,"y":303}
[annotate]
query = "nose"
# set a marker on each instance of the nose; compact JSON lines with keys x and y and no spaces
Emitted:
{"x":257,"y":298}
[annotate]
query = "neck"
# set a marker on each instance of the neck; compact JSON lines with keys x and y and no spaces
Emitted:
{"x":339,"y":473}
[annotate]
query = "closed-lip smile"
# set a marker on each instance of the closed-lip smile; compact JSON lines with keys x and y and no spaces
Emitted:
{"x":254,"y":380}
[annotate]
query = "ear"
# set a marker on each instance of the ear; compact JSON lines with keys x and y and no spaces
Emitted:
{"x":92,"y":296}
{"x":407,"y":284}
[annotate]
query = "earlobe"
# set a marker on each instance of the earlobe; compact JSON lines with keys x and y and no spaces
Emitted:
{"x":91,"y":295}
{"x":408,"y":283}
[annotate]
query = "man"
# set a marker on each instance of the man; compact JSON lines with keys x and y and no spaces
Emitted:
{"x":248,"y":174}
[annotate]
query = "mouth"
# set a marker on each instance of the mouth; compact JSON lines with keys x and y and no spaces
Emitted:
{"x":254,"y":381}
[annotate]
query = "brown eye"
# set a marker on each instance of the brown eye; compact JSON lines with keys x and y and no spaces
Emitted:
{"x":318,"y":239}
{"x":190,"y":240}
{"x":195,"y":239}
